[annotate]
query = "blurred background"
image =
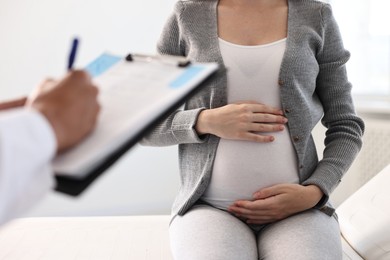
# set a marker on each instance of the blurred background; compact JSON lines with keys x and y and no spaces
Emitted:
{"x":35,"y":37}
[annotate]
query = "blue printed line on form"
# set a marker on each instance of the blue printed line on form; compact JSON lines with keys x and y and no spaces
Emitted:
{"x":101,"y":64}
{"x":186,"y":76}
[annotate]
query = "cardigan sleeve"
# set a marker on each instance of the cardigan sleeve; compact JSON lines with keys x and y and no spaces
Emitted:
{"x":344,"y":132}
{"x":179,"y":127}
{"x":171,"y":42}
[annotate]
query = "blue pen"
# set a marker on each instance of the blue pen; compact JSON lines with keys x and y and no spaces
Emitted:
{"x":72,"y":54}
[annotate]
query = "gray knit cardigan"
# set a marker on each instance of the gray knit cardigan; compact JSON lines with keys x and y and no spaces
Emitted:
{"x":313,"y":86}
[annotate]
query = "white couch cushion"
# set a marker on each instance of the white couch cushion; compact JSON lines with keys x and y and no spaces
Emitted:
{"x":94,"y":238}
{"x":365,"y":218}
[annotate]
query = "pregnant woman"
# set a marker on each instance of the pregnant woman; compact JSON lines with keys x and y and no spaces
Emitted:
{"x":252,"y":186}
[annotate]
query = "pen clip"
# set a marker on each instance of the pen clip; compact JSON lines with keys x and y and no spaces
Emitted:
{"x":166,"y":59}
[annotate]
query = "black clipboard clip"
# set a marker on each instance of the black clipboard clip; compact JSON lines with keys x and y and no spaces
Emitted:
{"x":166,"y":59}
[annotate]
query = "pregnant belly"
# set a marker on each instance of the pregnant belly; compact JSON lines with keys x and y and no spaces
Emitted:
{"x":242,"y":168}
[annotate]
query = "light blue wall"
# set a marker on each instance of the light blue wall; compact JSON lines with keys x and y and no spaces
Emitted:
{"x":35,"y":37}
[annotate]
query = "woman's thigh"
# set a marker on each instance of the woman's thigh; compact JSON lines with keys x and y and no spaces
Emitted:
{"x":208,"y":233}
{"x":305,"y":236}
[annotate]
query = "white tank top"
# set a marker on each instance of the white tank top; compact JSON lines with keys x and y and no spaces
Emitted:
{"x":242,"y":167}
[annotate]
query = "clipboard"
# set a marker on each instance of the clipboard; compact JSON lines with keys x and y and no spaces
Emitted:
{"x":135,"y":94}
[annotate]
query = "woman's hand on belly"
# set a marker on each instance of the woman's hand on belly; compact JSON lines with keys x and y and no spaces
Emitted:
{"x":276,"y":203}
{"x":241,"y":121}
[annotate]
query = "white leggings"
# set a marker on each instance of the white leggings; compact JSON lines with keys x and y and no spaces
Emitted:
{"x":207,"y":233}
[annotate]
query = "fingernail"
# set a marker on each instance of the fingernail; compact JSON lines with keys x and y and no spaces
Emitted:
{"x":281,"y":127}
{"x":271,"y":138}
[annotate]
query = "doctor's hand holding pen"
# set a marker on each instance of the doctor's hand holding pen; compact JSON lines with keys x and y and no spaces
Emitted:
{"x":70,"y":104}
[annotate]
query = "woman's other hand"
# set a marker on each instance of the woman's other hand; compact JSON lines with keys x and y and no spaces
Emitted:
{"x":276,"y":203}
{"x":242,"y":121}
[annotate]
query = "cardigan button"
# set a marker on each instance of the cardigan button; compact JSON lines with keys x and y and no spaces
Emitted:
{"x":296,"y":139}
{"x":286,"y":110}
{"x":280,"y":82}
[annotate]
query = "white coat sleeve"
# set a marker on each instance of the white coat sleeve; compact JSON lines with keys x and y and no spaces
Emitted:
{"x":27,"y":146}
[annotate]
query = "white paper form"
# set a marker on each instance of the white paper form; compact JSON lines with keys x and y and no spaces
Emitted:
{"x":132,"y":96}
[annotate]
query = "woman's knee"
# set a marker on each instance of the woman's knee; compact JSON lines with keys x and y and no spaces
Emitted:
{"x":308,"y":235}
